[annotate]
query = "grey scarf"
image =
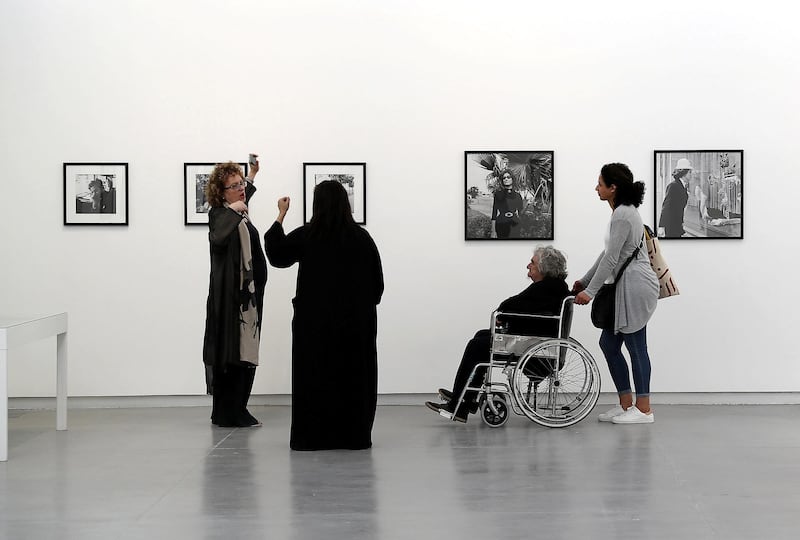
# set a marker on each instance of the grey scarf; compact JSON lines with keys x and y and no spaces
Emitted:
{"x":249,"y":332}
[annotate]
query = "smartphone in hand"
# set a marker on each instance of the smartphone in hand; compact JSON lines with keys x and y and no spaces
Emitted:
{"x":253,"y":159}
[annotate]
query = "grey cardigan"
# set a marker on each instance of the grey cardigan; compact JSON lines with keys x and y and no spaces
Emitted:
{"x":637,"y":290}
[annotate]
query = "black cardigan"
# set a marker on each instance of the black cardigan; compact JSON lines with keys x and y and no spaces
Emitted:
{"x":221,"y":340}
{"x":540,"y":298}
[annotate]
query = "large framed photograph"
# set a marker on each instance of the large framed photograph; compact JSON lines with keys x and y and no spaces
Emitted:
{"x":195,"y":178}
{"x":95,"y":193}
{"x":352,"y":176}
{"x":699,"y":194}
{"x":508,"y":195}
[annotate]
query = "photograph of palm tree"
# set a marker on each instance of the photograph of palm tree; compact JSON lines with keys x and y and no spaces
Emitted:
{"x":508,"y":195}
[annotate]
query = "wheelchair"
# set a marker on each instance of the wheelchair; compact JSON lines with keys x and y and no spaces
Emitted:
{"x":554,"y":381}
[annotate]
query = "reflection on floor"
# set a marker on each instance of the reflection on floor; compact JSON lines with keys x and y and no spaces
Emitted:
{"x":727,"y":472}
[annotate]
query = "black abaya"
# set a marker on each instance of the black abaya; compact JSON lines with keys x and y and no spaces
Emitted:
{"x":334,"y":355}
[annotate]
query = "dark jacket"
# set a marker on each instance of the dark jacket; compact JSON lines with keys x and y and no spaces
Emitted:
{"x":506,"y":202}
{"x":541,"y":298}
{"x":221,"y":341}
{"x":675,"y":199}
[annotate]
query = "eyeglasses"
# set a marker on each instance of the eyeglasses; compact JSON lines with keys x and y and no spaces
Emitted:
{"x":237,"y":185}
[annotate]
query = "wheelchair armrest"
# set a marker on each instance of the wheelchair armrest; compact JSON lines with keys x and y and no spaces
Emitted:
{"x":563,"y":319}
{"x":495,"y":314}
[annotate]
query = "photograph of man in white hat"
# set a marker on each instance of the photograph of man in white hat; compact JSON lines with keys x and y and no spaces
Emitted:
{"x":698,"y":194}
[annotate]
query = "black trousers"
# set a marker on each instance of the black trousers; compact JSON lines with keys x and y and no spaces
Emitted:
{"x":231,"y":391}
{"x":503,"y":229}
{"x":476,"y":352}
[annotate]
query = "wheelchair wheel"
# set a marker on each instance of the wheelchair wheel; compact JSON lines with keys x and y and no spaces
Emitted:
{"x":491,"y":418}
{"x":556,"y":382}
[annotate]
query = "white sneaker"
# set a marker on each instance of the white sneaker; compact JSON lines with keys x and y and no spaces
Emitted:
{"x":611,"y":413}
{"x":634,"y":416}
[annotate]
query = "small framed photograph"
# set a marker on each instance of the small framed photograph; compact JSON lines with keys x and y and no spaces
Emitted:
{"x":699,"y":194}
{"x":352,"y":176}
{"x":508,"y":195}
{"x":195,"y":178}
{"x":95,"y":193}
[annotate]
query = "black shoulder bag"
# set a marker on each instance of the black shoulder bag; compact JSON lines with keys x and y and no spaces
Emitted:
{"x":603,"y":304}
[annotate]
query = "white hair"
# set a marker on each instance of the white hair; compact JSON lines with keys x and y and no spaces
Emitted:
{"x":552,"y":263}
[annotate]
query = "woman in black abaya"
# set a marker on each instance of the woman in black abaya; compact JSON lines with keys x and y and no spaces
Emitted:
{"x":334,"y":356}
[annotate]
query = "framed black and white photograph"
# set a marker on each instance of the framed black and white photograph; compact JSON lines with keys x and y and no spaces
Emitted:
{"x":352,"y":176}
{"x":508,"y":195}
{"x":95,"y":193}
{"x":698,"y":194}
{"x":195,"y":178}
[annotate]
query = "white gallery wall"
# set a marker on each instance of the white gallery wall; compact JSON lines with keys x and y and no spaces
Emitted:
{"x":407,"y":87}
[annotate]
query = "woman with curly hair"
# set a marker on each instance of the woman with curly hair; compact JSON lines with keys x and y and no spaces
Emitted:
{"x":235,"y":296}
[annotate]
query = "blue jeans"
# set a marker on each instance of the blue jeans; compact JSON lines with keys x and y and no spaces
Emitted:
{"x":636,"y":343}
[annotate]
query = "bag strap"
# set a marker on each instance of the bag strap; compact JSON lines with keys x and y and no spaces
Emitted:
{"x":633,"y":255}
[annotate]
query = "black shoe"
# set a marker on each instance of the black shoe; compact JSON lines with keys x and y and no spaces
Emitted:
{"x":436,"y":407}
{"x":447,"y":395}
{"x":443,"y":410}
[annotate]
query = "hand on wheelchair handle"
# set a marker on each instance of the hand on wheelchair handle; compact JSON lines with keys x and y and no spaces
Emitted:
{"x":582,"y":298}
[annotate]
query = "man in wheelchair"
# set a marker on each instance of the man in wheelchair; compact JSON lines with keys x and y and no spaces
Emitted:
{"x":548,"y":270}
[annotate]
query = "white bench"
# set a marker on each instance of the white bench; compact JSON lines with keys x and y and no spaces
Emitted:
{"x":15,"y":331}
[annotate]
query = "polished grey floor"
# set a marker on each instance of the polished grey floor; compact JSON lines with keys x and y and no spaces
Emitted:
{"x":725,"y":472}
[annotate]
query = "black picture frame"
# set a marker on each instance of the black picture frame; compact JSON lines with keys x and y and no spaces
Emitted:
{"x":525,"y":212}
{"x":195,"y":206}
{"x":352,"y":175}
{"x":711,"y":203}
{"x":96,"y":193}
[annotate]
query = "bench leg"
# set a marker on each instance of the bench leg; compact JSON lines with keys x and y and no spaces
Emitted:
{"x":61,"y":382}
{"x":3,"y":405}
